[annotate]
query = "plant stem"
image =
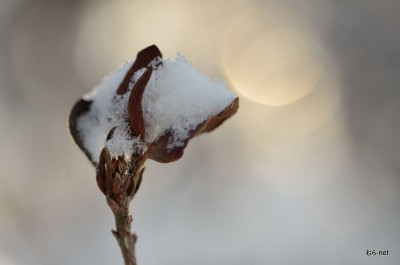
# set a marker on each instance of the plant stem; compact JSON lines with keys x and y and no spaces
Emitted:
{"x":119,"y":179}
{"x":125,"y":238}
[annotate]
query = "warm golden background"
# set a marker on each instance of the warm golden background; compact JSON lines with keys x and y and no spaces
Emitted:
{"x":307,"y":172}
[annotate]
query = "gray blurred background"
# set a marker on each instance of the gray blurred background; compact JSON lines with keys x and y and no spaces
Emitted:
{"x":307,"y":172}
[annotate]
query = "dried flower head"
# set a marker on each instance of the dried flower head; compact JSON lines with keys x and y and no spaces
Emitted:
{"x":114,"y":115}
{"x":150,"y":108}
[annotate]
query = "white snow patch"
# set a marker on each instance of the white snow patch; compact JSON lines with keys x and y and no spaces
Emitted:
{"x":177,"y":98}
{"x":108,"y":110}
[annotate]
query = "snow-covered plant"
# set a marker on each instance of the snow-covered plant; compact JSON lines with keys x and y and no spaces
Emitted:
{"x":149,"y":108}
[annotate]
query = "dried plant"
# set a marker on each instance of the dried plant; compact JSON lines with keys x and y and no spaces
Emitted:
{"x":119,"y":175}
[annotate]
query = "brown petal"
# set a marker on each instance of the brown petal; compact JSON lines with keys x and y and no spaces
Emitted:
{"x":217,"y":120}
{"x":80,"y":108}
{"x":135,"y":105}
{"x":143,"y":58}
{"x":158,"y":151}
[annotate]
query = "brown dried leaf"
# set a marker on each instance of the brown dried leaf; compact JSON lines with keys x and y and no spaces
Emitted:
{"x":217,"y":120}
{"x":143,"y":58}
{"x":135,"y":104}
{"x":80,"y":108}
{"x":158,"y":151}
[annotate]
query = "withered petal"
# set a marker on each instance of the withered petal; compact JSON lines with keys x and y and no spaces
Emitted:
{"x":143,"y":58}
{"x":158,"y":150}
{"x":215,"y":121}
{"x":135,"y":105}
{"x":80,"y":108}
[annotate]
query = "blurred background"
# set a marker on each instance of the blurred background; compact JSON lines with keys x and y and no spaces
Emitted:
{"x":307,"y":172}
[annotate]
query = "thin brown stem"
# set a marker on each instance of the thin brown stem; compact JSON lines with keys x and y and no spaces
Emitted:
{"x":126,"y":239}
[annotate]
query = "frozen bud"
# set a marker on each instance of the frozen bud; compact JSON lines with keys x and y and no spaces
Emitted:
{"x":149,"y":108}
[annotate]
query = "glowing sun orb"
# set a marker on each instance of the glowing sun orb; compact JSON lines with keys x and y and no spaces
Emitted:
{"x":271,"y":62}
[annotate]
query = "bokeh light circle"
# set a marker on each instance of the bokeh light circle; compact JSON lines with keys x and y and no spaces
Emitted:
{"x":271,"y":59}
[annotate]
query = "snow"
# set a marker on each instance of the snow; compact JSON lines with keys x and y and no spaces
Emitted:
{"x":107,"y":111}
{"x":177,"y":98}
